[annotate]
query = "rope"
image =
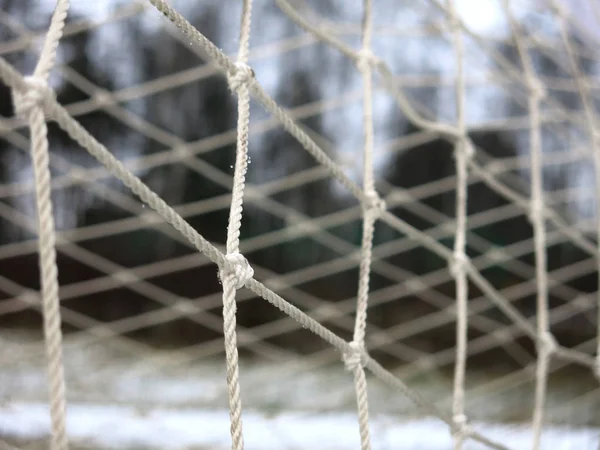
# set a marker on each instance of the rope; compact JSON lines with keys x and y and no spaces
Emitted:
{"x":372,"y":210}
{"x":545,"y":342}
{"x":463,"y":151}
{"x":30,"y":100}
{"x":238,"y":272}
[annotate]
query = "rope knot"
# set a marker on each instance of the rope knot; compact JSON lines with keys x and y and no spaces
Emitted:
{"x":353,"y":358}
{"x":453,"y":21}
{"x":464,"y":146}
{"x":238,"y":267}
{"x":547,"y":343}
{"x":536,"y":209}
{"x":469,"y":149}
{"x":103,"y":98}
{"x":241,"y":76}
{"x":460,"y":425}
{"x":459,"y":263}
{"x":366,"y":59}
{"x":33,"y":96}
{"x":374,"y":204}
{"x":558,"y":9}
{"x":537,"y":89}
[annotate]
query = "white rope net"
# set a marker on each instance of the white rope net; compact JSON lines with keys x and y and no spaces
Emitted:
{"x":487,"y":316}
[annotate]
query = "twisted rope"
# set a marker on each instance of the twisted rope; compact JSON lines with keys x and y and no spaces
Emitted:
{"x":373,"y":207}
{"x":239,"y":272}
{"x":545,"y":342}
{"x":30,"y":100}
{"x":463,"y":151}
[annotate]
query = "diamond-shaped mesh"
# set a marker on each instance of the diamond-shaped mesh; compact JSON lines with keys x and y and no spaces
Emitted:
{"x":419,"y":201}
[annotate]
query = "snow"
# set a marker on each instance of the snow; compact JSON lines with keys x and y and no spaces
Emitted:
{"x":117,"y":427}
{"x":127,"y":402}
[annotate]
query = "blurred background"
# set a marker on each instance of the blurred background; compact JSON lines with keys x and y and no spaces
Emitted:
{"x":142,"y":309}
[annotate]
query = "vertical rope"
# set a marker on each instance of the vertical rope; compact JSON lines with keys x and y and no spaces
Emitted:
{"x":235,"y":279}
{"x":545,"y":341}
{"x":364,"y":65}
{"x":29,"y":105}
{"x":49,"y":280}
{"x":462,"y":152}
{"x":371,"y":210}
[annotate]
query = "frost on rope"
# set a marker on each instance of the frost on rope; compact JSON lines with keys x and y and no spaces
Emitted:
{"x":402,"y":319}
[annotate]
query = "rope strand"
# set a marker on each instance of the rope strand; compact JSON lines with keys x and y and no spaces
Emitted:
{"x":29,"y":101}
{"x":239,"y":80}
{"x":370,"y":214}
{"x":545,"y":343}
{"x":459,"y":264}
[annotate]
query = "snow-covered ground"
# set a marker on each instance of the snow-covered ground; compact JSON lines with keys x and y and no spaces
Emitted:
{"x":120,"y":402}
{"x":113,"y":427}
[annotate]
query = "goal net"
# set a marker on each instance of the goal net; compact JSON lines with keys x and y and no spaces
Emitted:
{"x":299,"y":224}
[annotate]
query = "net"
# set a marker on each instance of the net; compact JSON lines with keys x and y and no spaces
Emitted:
{"x":488,"y":265}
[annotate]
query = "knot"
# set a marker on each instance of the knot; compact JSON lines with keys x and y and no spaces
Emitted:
{"x":33,"y":96}
{"x":353,"y":358}
{"x":374,"y":204}
{"x":465,"y":147}
{"x":453,"y":21}
{"x":558,"y":9}
{"x":415,"y":285}
{"x":460,"y":425}
{"x":537,"y":89}
{"x":399,"y":196}
{"x":459,"y":263}
{"x":186,"y":308}
{"x":239,"y":268}
{"x":103,"y":98}
{"x":536,"y":210}
{"x":242,"y":76}
{"x":469,"y":149}
{"x":547,"y":344}
{"x":365,"y":59}
{"x":495,"y":254}
{"x":502,"y":334}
